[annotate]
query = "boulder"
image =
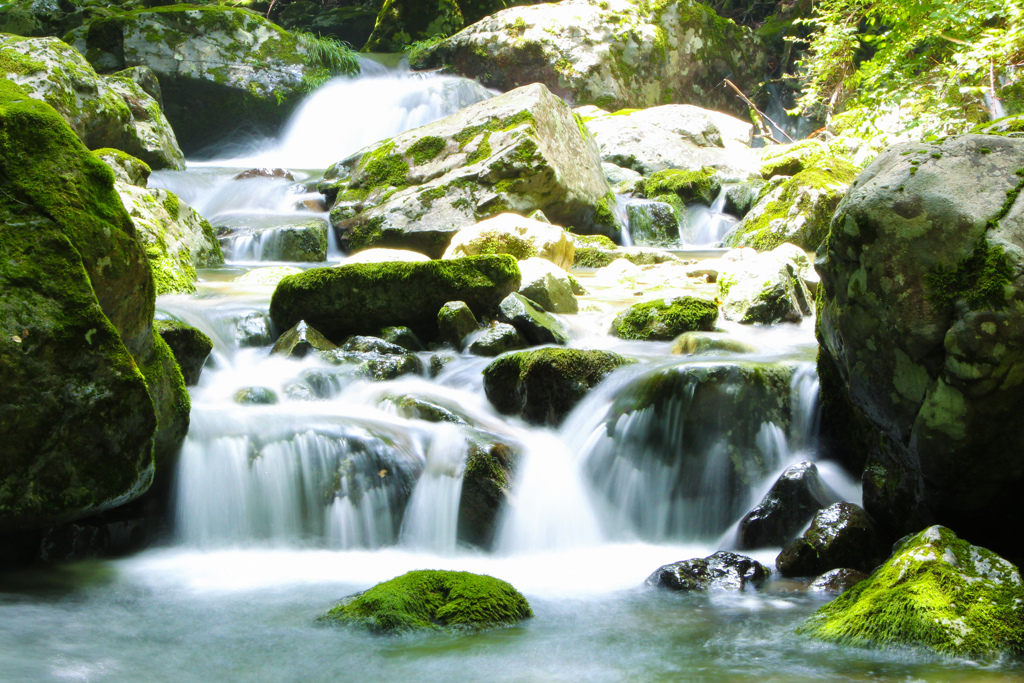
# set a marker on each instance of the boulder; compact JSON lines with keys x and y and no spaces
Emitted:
{"x":798,"y":210}
{"x":793,"y":500}
{"x":791,"y":159}
{"x":766,"y":289}
{"x":673,"y":136}
{"x":403,"y":336}
{"x":486,"y":484}
{"x":721,"y":571}
{"x":112,"y":111}
{"x":177,"y":239}
{"x":653,"y":223}
{"x":509,"y":233}
{"x":700,"y":186}
{"x":938,"y":592}
{"x":921,"y":326}
{"x":386,"y":255}
{"x":190,"y":347}
{"x":350,"y":24}
{"x":375,"y":359}
{"x":841,"y":535}
{"x":700,"y":343}
{"x":496,"y":339}
{"x":455,"y":322}
{"x":93,"y":399}
{"x":530,"y":319}
{"x":299,"y":341}
{"x":837,"y":581}
{"x":547,"y":285}
{"x":430,"y":600}
{"x":542,"y":386}
{"x":403,"y":22}
{"x":517,"y":152}
{"x":219,"y":67}
{"x":363,"y":298}
{"x":664,"y":320}
{"x":633,"y":55}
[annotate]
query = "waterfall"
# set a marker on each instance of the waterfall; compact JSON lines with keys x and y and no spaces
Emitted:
{"x":431,"y":520}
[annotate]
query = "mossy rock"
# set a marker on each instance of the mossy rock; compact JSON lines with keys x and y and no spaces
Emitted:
{"x":542,"y":386}
{"x":486,"y":485}
{"x":190,"y":347}
{"x":403,"y":22}
{"x":700,"y":186}
{"x":430,"y":600}
{"x":791,"y":159}
{"x":1012,"y":126}
{"x":937,"y":592}
{"x":362,"y":298}
{"x":661,"y":320}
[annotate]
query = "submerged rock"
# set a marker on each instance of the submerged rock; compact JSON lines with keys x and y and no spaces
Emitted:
{"x":363,"y":298}
{"x":190,"y":347}
{"x":937,"y":591}
{"x":542,"y":386}
{"x":793,"y":500}
{"x":841,"y":535}
{"x":663,"y":320}
{"x":721,"y":571}
{"x":376,"y":359}
{"x":430,"y":599}
{"x":517,"y":152}
{"x":700,"y":343}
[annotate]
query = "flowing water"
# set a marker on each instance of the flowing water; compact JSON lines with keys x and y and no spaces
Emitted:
{"x":282,"y":509}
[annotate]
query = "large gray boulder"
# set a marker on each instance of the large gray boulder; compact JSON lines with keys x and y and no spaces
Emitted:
{"x":518,"y":152}
{"x":105,"y":111}
{"x":921,"y":324}
{"x":614,"y":54}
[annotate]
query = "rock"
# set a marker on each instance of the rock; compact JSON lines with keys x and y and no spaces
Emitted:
{"x":721,"y":571}
{"x":616,"y":175}
{"x":509,"y":233}
{"x":403,"y":22}
{"x":837,"y":581}
{"x":673,"y":136}
{"x":486,"y":484}
{"x":439,"y":361}
{"x":700,"y":343}
{"x":300,"y":340}
{"x":530,"y":319}
{"x":219,"y":67}
{"x":740,"y":198}
{"x":266,"y":277}
{"x":631,"y":57}
{"x":789,"y":160}
{"x":427,"y":600}
{"x":402,"y":336}
{"x":700,"y":186}
{"x":251,"y":329}
{"x":348,"y":24}
{"x":386,"y":255}
{"x":601,"y":257}
{"x":376,"y":359}
{"x":517,"y":152}
{"x":255,"y":396}
{"x":841,"y":535}
{"x":176,"y":237}
{"x":111,"y":111}
{"x":288,"y":239}
{"x":767,"y":289}
{"x":936,"y":591}
{"x":797,"y":211}
{"x":189,"y":346}
{"x":547,"y":285}
{"x":664,"y":320}
{"x":363,"y":298}
{"x":793,"y":500}
{"x":265,"y":173}
{"x":496,"y":339}
{"x":921,"y":336}
{"x":455,"y":322}
{"x":542,"y":386}
{"x":653,"y":224}
{"x":93,"y":399}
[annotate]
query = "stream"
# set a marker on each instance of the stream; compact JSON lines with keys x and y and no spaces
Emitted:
{"x":283,"y":509}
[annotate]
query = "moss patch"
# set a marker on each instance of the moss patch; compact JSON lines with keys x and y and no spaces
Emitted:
{"x":690,"y":186}
{"x":661,"y":320}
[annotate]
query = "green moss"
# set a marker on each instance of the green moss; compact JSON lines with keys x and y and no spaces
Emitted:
{"x":689,"y":186}
{"x":936,"y":591}
{"x":381,"y":168}
{"x":790,"y":159}
{"x":433,"y":600}
{"x":482,"y":151}
{"x":426,"y":149}
{"x":980,"y":279}
{"x":661,"y":320}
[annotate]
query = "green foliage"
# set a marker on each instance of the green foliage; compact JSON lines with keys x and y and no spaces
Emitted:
{"x":928,"y":62}
{"x":326,"y":58}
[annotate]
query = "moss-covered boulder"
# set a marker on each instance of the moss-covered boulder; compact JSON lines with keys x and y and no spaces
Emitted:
{"x":403,"y":22}
{"x":665,"y":320}
{"x":768,"y":288}
{"x":178,"y":240}
{"x":455,"y":322}
{"x":519,"y":152}
{"x":921,"y":325}
{"x":799,"y":210}
{"x":635,"y":54}
{"x":791,"y":159}
{"x":105,"y":111}
{"x":510,"y":233}
{"x":190,"y":347}
{"x":699,"y":186}
{"x":486,"y":485}
{"x":89,"y":389}
{"x":429,"y":599}
{"x":938,"y":592}
{"x":363,"y":298}
{"x":219,"y":67}
{"x":542,"y":386}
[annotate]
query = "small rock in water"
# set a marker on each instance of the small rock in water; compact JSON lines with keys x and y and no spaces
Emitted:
{"x":793,"y":500}
{"x":255,"y":396}
{"x":837,"y":580}
{"x":497,"y":339}
{"x":300,"y":340}
{"x":265,"y":173}
{"x":455,"y":321}
{"x":723,"y":570}
{"x":841,"y":535}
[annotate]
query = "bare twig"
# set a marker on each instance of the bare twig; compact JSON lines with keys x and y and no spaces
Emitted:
{"x":761,"y":115}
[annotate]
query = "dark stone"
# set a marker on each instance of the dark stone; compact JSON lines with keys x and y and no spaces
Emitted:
{"x":837,"y":580}
{"x":300,"y":340}
{"x":496,"y":339}
{"x":265,"y":173}
{"x":841,"y":535}
{"x":376,"y":359}
{"x":490,"y":467}
{"x":402,"y":336}
{"x":455,"y":321}
{"x":723,"y":570}
{"x":797,"y":494}
{"x":189,"y":346}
